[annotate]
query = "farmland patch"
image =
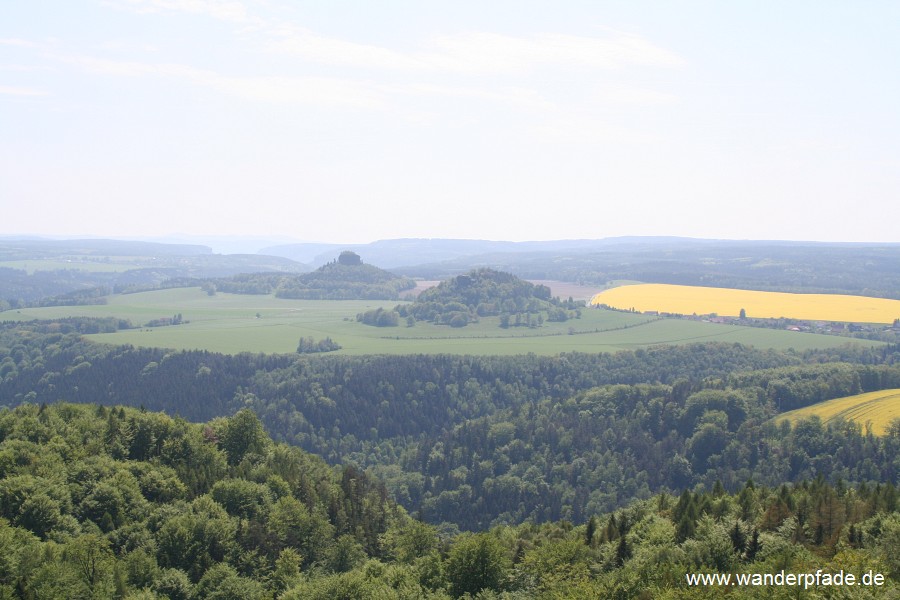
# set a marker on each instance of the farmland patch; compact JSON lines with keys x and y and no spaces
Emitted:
{"x":878,"y":409}
{"x":688,"y":300}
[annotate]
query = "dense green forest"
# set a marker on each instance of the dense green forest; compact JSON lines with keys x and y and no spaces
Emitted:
{"x":476,"y":441}
{"x":100,"y":502}
{"x":490,"y":450}
{"x":110,"y":502}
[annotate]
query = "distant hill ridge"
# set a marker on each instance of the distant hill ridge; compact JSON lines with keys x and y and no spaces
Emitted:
{"x":406,"y":252}
{"x":344,"y":278}
{"x":12,"y":249}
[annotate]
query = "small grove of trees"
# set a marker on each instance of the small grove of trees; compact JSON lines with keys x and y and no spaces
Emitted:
{"x":309,"y":345}
{"x":162,"y":322}
{"x":476,"y":562}
{"x":379,"y":317}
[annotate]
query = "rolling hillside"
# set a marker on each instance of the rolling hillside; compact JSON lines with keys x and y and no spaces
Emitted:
{"x":875,"y":409}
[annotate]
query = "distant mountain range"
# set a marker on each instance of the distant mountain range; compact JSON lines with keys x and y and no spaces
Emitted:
{"x":405,"y":252}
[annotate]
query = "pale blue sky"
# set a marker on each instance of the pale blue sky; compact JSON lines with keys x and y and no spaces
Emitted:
{"x":354,"y":121}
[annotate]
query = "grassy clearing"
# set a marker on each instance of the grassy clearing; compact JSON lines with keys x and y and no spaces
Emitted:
{"x":683,"y":299}
{"x":233,"y":323}
{"x":877,"y":409}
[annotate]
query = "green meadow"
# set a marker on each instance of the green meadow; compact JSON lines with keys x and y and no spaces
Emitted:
{"x":233,"y":323}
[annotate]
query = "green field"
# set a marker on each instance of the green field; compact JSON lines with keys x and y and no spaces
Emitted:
{"x":233,"y":323}
{"x":116,"y":266}
{"x":876,"y":409}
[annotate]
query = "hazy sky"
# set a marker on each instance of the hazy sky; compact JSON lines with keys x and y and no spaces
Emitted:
{"x":351,"y":121}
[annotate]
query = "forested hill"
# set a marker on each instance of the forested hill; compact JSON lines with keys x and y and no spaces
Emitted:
{"x":484,"y":292}
{"x":346,"y":278}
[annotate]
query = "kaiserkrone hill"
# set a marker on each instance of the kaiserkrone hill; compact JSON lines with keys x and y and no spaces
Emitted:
{"x":485,"y":293}
{"x":346,"y":278}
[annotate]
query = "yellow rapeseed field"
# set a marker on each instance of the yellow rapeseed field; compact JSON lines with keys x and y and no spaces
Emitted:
{"x":877,"y":408}
{"x":687,"y":300}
